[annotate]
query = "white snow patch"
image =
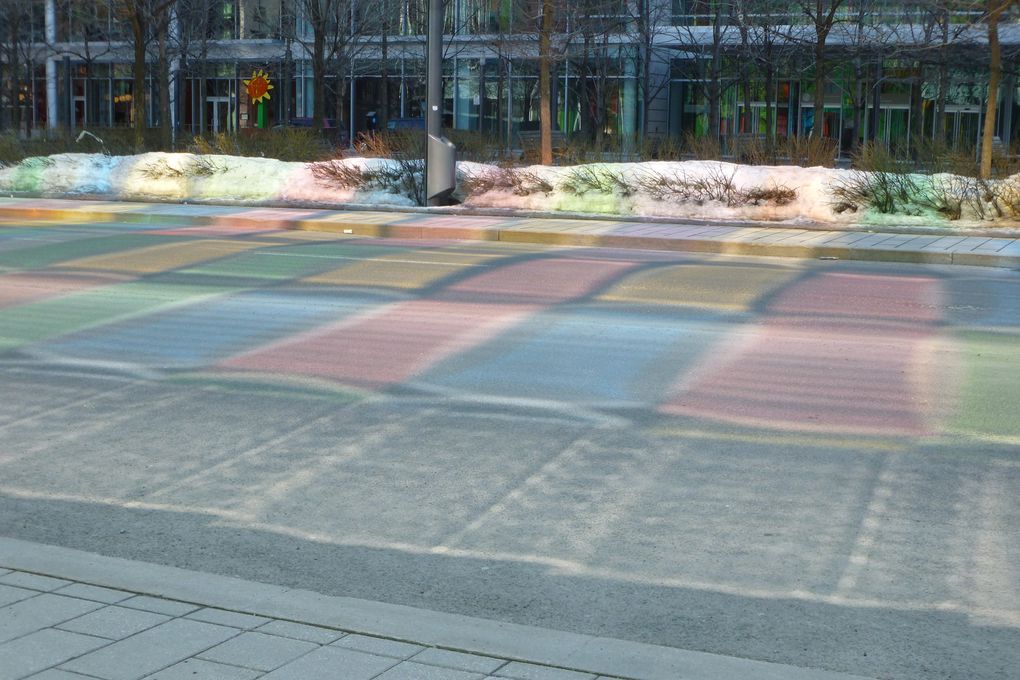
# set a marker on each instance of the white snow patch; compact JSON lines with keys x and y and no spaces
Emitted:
{"x":210,"y":178}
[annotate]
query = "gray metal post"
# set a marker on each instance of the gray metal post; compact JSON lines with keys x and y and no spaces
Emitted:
{"x":440,"y":154}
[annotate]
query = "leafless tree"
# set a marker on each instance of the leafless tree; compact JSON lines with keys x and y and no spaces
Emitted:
{"x":995,"y":10}
{"x":148,"y":20}
{"x":647,"y":18}
{"x":822,"y":16}
{"x":337,"y":31}
{"x":15,"y":58}
{"x":763,"y":46}
{"x":707,"y":37}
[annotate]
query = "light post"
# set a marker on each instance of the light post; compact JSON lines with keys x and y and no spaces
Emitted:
{"x":440,"y":154}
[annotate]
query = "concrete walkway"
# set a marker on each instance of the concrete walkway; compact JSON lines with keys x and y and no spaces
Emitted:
{"x":762,"y":239}
{"x":71,"y":615}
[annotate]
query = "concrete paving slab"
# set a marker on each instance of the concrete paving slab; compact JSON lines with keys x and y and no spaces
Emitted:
{"x":538,"y":646}
{"x":28,"y":616}
{"x":414,"y":671}
{"x":460,"y":661}
{"x":150,"y":651}
{"x":374,"y":645}
{"x":115,"y":623}
{"x":300,"y":631}
{"x":226,"y":618}
{"x":33,"y":581}
{"x":10,"y":594}
{"x":945,"y":242}
{"x":525,"y":671}
{"x":197,"y":669}
{"x":323,"y":664}
{"x":995,"y":245}
{"x":55,"y":674}
{"x":159,"y":605}
{"x":42,"y":649}
{"x":86,"y":592}
{"x":258,"y":651}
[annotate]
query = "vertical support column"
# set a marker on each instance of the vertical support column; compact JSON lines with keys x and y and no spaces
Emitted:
{"x":440,"y":154}
{"x":175,"y":73}
{"x":1008,"y":90}
{"x":628,"y":127}
{"x":52,"y":112}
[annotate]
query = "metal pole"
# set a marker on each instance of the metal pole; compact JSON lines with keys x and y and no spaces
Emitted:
{"x":440,"y":160}
{"x":434,"y":75}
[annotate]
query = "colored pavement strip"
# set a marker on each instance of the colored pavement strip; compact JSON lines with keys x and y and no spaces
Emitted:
{"x":825,"y":361}
{"x":759,"y":239}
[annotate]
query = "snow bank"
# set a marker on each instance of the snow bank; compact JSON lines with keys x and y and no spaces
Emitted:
{"x":183,"y":177}
{"x":211,"y":178}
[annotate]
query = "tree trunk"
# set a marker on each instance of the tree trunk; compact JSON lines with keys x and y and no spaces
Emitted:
{"x":164,"y":90}
{"x":383,"y":115}
{"x":818,"y":129}
{"x":995,"y":10}
{"x":545,"y":82}
{"x":319,"y":75}
{"x":138,"y":72}
{"x":859,"y":112}
{"x":714,"y":96}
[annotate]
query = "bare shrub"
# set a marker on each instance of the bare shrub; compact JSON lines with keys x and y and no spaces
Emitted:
{"x":661,"y":148}
{"x":775,"y":194}
{"x":584,"y":178}
{"x":947,"y":195}
{"x":406,"y":176}
{"x":507,"y":178}
{"x":480,"y":147}
{"x":1007,"y":195}
{"x":406,"y":148}
{"x":285,"y":144}
{"x":1006,"y":162}
{"x":886,"y":192}
{"x":752,"y":150}
{"x":934,"y":156}
{"x":875,"y":157}
{"x":198,"y":166}
{"x":810,"y":151}
{"x":702,"y":148}
{"x":338,"y":175}
{"x":715,"y":185}
{"x":160,"y":169}
{"x":203,"y":166}
{"x":664,"y":187}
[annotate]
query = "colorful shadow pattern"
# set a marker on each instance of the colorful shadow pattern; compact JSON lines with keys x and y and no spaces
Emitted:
{"x":841,"y":349}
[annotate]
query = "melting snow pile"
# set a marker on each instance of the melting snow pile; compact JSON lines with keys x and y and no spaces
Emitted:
{"x":690,"y":189}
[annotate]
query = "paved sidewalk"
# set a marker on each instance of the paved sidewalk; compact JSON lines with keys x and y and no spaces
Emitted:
{"x":762,"y":239}
{"x":71,"y":615}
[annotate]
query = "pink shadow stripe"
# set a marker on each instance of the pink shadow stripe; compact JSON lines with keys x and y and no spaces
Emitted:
{"x":386,"y":346}
{"x":842,"y":367}
{"x":544,"y":281}
{"x":392,"y":344}
{"x":20,"y":289}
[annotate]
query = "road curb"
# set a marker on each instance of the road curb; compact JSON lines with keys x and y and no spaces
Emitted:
{"x":571,"y":651}
{"x":404,"y":226}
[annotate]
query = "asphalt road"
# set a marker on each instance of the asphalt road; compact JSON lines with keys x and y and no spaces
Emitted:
{"x":809,"y":462}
